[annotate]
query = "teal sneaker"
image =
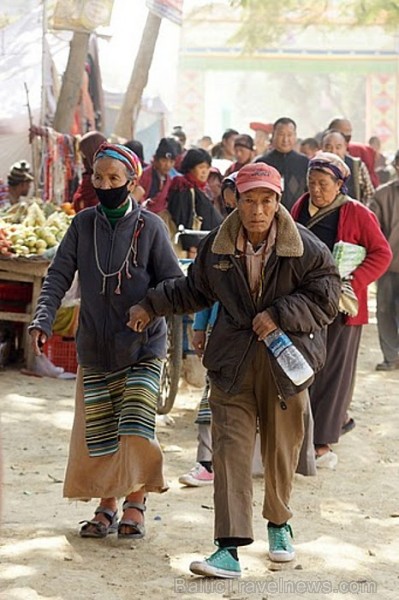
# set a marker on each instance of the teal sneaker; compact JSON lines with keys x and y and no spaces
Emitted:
{"x":280,"y":547}
{"x":219,"y":564}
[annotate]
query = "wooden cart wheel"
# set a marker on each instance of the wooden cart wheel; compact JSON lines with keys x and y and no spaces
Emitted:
{"x":170,"y":373}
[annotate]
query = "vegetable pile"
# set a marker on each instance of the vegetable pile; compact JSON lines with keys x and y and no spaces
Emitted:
{"x":31,"y":228}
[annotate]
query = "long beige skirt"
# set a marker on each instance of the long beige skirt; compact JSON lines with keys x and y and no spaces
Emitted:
{"x":137,"y":465}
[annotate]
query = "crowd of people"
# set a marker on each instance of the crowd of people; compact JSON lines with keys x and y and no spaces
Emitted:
{"x":298,"y":229}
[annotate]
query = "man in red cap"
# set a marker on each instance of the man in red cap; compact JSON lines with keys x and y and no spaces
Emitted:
{"x":267,"y":274}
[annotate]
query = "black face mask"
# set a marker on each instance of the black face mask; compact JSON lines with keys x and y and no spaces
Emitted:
{"x":113,"y":197}
{"x":229,"y":209}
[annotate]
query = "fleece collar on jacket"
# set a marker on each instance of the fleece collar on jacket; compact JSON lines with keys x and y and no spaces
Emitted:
{"x":288,"y":239}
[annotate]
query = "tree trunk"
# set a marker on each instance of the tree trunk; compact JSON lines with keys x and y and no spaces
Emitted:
{"x":71,"y":82}
{"x":131,"y":103}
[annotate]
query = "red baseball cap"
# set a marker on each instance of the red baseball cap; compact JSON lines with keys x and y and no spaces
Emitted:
{"x":258,"y":175}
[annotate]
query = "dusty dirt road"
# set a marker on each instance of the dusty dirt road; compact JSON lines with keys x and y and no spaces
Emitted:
{"x":346,"y":522}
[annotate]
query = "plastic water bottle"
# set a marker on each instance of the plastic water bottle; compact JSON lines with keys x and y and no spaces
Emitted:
{"x":292,"y":362}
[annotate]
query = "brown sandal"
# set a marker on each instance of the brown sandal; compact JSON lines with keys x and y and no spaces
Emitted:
{"x":98,"y":529}
{"x":137,"y":529}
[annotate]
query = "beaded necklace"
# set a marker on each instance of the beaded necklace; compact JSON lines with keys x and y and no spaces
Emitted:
{"x":132,"y":250}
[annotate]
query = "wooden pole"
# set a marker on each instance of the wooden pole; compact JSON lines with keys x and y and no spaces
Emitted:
{"x":71,"y":82}
{"x":128,"y":114}
{"x":33,"y":144}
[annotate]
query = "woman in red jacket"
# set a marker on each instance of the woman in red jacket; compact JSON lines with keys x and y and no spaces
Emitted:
{"x":335,"y":217}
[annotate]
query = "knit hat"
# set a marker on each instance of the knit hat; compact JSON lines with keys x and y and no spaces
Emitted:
{"x":330,"y":163}
{"x":194,"y":157}
{"x":245,"y":141}
{"x":19,"y":173}
{"x":258,"y":175}
{"x":122,"y":153}
{"x":168,"y":148}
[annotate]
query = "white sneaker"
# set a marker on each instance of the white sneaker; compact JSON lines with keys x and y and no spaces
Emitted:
{"x":329,"y":460}
{"x":197,"y":477}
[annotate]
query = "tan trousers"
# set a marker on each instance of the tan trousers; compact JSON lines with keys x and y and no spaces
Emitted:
{"x":233,"y":433}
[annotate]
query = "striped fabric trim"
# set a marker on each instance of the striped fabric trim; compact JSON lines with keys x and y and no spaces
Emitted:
{"x":204,"y":411}
{"x":120,"y":403}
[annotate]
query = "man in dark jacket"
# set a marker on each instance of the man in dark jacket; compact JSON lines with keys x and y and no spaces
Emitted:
{"x":266,"y":273}
{"x":291,"y":165}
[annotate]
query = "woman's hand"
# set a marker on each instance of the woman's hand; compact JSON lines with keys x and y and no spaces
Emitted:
{"x":138,"y":318}
{"x":263,"y":324}
{"x":38,"y":339}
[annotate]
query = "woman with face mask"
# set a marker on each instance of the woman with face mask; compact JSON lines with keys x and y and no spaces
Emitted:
{"x":119,"y":252}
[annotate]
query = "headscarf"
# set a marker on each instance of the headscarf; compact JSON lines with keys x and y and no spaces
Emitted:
{"x":88,"y":145}
{"x":123,"y":154}
{"x":333,"y":165}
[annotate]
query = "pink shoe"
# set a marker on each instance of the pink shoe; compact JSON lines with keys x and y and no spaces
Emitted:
{"x":197,"y":477}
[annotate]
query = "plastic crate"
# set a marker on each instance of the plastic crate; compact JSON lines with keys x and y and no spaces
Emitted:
{"x":14,"y":307}
{"x":62,"y":352}
{"x":20,"y":293}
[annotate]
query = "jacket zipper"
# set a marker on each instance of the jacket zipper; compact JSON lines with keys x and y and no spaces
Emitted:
{"x":280,"y":395}
{"x":241,"y":274}
{"x":245,"y":282}
{"x":107,"y":298}
{"x":261,"y":295}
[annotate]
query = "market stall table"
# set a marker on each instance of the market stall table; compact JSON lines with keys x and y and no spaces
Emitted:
{"x":24,"y":270}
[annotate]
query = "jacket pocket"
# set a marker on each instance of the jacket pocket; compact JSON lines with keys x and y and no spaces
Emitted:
{"x":313,"y":347}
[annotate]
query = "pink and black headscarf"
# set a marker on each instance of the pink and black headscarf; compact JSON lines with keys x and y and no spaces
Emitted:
{"x":123,"y":154}
{"x":333,"y":165}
